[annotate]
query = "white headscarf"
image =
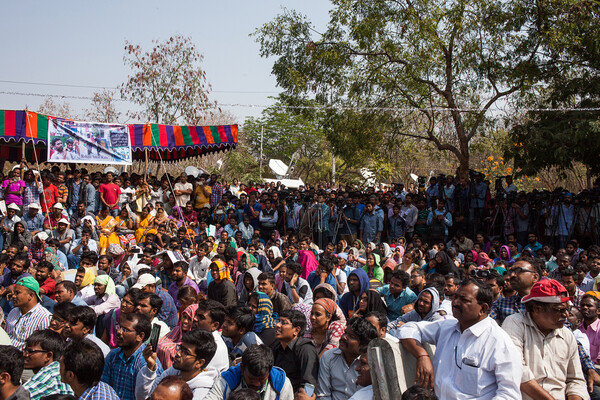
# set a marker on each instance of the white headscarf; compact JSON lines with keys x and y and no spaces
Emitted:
{"x":276,"y":251}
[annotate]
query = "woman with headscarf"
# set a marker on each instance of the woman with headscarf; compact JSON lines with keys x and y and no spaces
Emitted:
{"x":105,"y":298}
{"x":353,"y":258}
{"x":18,"y":234}
{"x":484,"y":261}
{"x":309,"y":262}
{"x":445,"y":265}
{"x":274,"y":239}
{"x":426,"y":309}
{"x":370,"y":301}
{"x":250,"y":284}
{"x":326,"y":330}
{"x":221,"y":288}
{"x":341,"y":246}
{"x":168,"y":345}
{"x":359,"y":246}
{"x":51,"y":256}
{"x":408,"y":260}
{"x":372,"y":268}
{"x":264,"y":318}
{"x":84,"y":280}
{"x":385,"y":250}
{"x":504,"y":255}
{"x":274,"y":257}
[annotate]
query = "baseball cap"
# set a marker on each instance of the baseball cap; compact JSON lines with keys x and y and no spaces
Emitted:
{"x":63,"y":221}
{"x":548,"y":291}
{"x":58,"y":206}
{"x":144,"y":280}
{"x":30,"y":283}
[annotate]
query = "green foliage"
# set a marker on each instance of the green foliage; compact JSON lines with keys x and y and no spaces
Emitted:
{"x":434,"y":56}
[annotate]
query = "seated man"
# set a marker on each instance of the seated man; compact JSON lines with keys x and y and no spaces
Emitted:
{"x":256,"y":372}
{"x":66,"y":292}
{"x":210,"y":316}
{"x":146,"y":282}
{"x":28,"y":314}
{"x":11,"y":369}
{"x":238,"y":330}
{"x":397,"y":294}
{"x":80,"y":325}
{"x":47,"y":284}
{"x":337,"y":370}
{"x":42,"y":351}
{"x":293,"y":353}
{"x":196,"y":351}
{"x":548,"y":350}
{"x":267,"y":285}
{"x":297,"y":289}
{"x":81,"y":368}
{"x":150,"y":304}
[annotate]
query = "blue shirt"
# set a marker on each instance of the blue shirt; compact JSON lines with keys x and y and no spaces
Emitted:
{"x":505,"y":306}
{"x":99,"y":392}
{"x":313,"y":280}
{"x":478,"y":194}
{"x":395,"y":304}
{"x":121,"y":373}
{"x":370,"y":226}
{"x":34,"y":224}
{"x":168,"y":311}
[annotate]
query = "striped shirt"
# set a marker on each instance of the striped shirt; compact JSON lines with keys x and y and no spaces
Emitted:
{"x":46,"y":382}
{"x":99,"y":392}
{"x":20,"y":326}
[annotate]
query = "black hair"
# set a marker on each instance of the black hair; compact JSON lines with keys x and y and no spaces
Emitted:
{"x":69,"y":287}
{"x":186,"y":291}
{"x":63,"y":310}
{"x":205,"y":344}
{"x":143,"y":324}
{"x":297,"y":318}
{"x":484,"y":292}
{"x":86,"y":315}
{"x":242,"y":316}
{"x":45,"y":264}
{"x":569,"y":271}
{"x":363,"y":329}
{"x":90,"y":256}
{"x":244,"y":394}
{"x":155,"y":301}
{"x":594,"y":298}
{"x":418,"y":393}
{"x":403,"y":276}
{"x":294,"y":266}
{"x":48,"y":340}
{"x":23,"y":257}
{"x":216,"y":310}
{"x":134,"y":294}
{"x":327,"y":264}
{"x":58,"y":396}
{"x":381,"y":317}
{"x":257,"y":360}
{"x":419,"y":271}
{"x":85,"y":360}
{"x":12,"y":362}
{"x":437,"y":281}
{"x":267,"y":276}
{"x":109,"y":258}
{"x":182,"y":264}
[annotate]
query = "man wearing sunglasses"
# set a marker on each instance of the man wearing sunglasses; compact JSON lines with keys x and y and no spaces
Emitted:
{"x":522,"y":276}
{"x":551,"y":365}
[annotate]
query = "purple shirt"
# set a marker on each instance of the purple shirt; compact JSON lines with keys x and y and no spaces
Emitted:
{"x":174,"y":289}
{"x":14,"y":187}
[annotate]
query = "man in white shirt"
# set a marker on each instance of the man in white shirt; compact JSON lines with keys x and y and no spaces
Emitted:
{"x":410,"y":213}
{"x":474,"y":357}
{"x":210,"y":315}
{"x":196,"y":351}
{"x":183,"y":190}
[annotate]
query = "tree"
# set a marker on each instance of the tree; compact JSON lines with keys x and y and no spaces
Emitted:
{"x":56,"y":109}
{"x":563,"y":127}
{"x":167,"y":82}
{"x":103,"y":108}
{"x":450,"y":61}
{"x":286,"y":135}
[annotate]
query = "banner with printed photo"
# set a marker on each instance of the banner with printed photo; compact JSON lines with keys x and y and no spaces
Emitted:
{"x":88,"y":142}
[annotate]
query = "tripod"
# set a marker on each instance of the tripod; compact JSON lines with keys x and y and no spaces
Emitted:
{"x":338,"y":223}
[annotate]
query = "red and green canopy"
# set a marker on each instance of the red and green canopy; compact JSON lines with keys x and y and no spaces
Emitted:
{"x":166,"y":142}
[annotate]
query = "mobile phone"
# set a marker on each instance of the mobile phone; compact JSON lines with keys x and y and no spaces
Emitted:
{"x":309,"y":388}
{"x":154,"y":335}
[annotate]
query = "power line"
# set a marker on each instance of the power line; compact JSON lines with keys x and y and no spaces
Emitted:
{"x":335,"y":107}
{"x":114,"y":88}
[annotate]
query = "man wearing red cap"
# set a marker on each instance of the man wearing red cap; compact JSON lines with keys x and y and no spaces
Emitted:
{"x":551,"y":366}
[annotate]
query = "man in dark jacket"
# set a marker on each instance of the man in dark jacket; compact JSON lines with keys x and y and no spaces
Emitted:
{"x":358,"y":283}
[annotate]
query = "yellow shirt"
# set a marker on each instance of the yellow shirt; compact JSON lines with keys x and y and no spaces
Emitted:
{"x":201,"y":198}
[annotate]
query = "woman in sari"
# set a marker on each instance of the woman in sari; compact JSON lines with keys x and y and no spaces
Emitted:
{"x":106,"y":224}
{"x":147,"y":225}
{"x":326,"y":328}
{"x":124,"y":229}
{"x":309,"y":262}
{"x":167,"y":346}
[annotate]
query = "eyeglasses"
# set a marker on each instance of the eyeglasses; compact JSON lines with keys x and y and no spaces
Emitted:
{"x":124,"y":330}
{"x":184,"y":352}
{"x":481,"y":274}
{"x":560,"y":310}
{"x":519,"y":270}
{"x":27,"y":350}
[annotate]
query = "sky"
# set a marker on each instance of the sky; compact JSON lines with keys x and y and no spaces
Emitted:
{"x":82,"y":43}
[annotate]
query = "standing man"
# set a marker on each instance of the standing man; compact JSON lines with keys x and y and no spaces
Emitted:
{"x":110,"y":194}
{"x":370,"y":227}
{"x":216,"y":191}
{"x":547,"y":349}
{"x":183,"y":191}
{"x":474,"y":357}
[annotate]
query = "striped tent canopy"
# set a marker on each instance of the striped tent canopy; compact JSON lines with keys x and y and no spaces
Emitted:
{"x":174,"y":142}
{"x":166,"y":142}
{"x":18,"y":126}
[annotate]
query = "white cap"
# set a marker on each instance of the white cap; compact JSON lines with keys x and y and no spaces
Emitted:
{"x":42,"y":235}
{"x":63,"y":221}
{"x":58,"y":206}
{"x":144,"y":280}
{"x":13,"y":206}
{"x":34,"y":205}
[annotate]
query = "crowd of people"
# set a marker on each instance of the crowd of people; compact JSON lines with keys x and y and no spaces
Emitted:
{"x":122,"y":286}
